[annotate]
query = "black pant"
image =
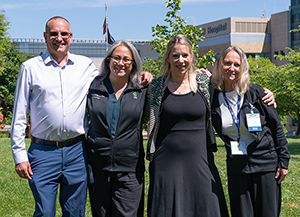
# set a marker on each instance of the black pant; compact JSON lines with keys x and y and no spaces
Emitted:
{"x":254,"y":195}
{"x":115,"y":194}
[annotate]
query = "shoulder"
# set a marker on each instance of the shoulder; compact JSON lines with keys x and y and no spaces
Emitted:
{"x":157,"y":84}
{"x":97,"y":82}
{"x":79,"y":58}
{"x":158,"y":81}
{"x":203,"y":81}
{"x":32,"y":61}
{"x":202,"y":77}
{"x":203,"y":84}
{"x":256,"y":89}
{"x":156,"y":90}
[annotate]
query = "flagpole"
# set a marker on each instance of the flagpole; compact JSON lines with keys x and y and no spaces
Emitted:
{"x":106,"y":34}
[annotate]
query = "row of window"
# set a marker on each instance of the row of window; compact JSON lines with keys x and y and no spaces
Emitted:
{"x":251,"y":27}
{"x":256,"y":55}
{"x":295,"y":18}
{"x":279,"y":52}
{"x":295,"y":2}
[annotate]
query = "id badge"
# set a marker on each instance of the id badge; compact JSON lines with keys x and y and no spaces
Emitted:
{"x":238,"y":148}
{"x":253,"y":121}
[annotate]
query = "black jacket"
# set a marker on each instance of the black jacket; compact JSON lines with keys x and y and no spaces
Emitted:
{"x":125,"y":152}
{"x":269,"y":150}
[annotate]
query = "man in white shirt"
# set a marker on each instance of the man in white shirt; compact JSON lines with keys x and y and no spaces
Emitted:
{"x":53,"y":87}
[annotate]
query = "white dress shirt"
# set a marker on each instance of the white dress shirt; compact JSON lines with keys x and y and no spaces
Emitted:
{"x":56,"y":98}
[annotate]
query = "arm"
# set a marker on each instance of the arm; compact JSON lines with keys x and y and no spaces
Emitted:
{"x":279,"y":138}
{"x":281,"y":174}
{"x":208,"y":73}
{"x":19,"y":124}
{"x":146,"y":78}
{"x":269,"y":98}
{"x":24,"y":170}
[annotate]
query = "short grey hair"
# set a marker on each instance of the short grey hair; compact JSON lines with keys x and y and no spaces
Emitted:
{"x":135,"y":74}
{"x":54,"y":18}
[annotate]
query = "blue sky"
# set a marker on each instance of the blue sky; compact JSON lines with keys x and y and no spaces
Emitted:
{"x":127,"y":19}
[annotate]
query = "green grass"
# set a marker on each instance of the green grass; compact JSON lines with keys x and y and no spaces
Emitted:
{"x":16,"y":199}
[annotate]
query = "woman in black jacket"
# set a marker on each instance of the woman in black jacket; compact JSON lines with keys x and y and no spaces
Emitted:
{"x":115,"y":143}
{"x":257,"y":155}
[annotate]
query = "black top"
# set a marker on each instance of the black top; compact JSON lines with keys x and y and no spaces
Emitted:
{"x":124,"y":152}
{"x":184,"y":180}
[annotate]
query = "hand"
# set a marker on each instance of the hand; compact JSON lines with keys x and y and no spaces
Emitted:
{"x":24,"y":170}
{"x":269,"y":98}
{"x":146,"y":78}
{"x":208,"y":73}
{"x":281,"y":173}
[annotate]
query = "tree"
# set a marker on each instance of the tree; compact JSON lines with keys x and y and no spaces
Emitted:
{"x":176,"y":25}
{"x":4,"y":39}
{"x":284,"y":81}
{"x":10,"y":61}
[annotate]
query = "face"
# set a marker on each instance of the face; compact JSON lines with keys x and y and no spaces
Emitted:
{"x":231,"y":67}
{"x":120,"y":63}
{"x":58,"y":46}
{"x":180,"y":59}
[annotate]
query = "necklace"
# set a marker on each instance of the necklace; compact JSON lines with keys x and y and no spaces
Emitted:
{"x":178,"y":83}
{"x":180,"y":88}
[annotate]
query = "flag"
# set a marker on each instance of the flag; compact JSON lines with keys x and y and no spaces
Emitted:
{"x":104,"y":26}
{"x":110,"y":39}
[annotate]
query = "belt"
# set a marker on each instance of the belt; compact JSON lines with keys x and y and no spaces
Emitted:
{"x":57,"y":143}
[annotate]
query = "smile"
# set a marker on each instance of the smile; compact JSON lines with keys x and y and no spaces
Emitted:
{"x":181,"y":67}
{"x":229,"y":73}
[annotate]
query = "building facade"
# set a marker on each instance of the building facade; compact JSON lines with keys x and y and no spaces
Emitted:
{"x":295,"y":22}
{"x":93,"y":48}
{"x":258,"y":37}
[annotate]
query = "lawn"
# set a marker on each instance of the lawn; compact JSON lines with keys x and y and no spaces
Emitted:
{"x":16,"y":199}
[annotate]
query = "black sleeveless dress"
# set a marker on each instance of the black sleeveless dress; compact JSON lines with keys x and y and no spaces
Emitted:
{"x":184,"y":181}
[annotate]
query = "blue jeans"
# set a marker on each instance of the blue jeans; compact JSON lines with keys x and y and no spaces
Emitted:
{"x":53,"y":167}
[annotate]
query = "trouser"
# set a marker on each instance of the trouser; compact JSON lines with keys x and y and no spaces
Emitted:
{"x":53,"y":167}
{"x":254,"y":195}
{"x":116,"y":194}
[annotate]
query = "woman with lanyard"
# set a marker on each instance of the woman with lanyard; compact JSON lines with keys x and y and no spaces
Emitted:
{"x":257,"y":155}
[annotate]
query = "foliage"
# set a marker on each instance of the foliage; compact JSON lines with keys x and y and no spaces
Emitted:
{"x":4,"y":39}
{"x":176,"y":25}
{"x":10,"y":61}
{"x":284,"y":81}
{"x":1,"y":119}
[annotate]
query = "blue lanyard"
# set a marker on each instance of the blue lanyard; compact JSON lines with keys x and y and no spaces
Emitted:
{"x":235,"y":119}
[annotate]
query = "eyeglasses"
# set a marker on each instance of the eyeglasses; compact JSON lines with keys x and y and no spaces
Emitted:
{"x":118,"y":59}
{"x":63,"y":34}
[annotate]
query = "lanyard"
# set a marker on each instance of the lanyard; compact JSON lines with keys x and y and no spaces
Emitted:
{"x":235,"y":119}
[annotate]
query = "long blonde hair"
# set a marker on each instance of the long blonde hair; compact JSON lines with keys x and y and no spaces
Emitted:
{"x":165,"y":70}
{"x":241,"y":84}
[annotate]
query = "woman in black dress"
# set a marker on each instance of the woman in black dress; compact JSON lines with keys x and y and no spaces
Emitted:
{"x":184,"y":180}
